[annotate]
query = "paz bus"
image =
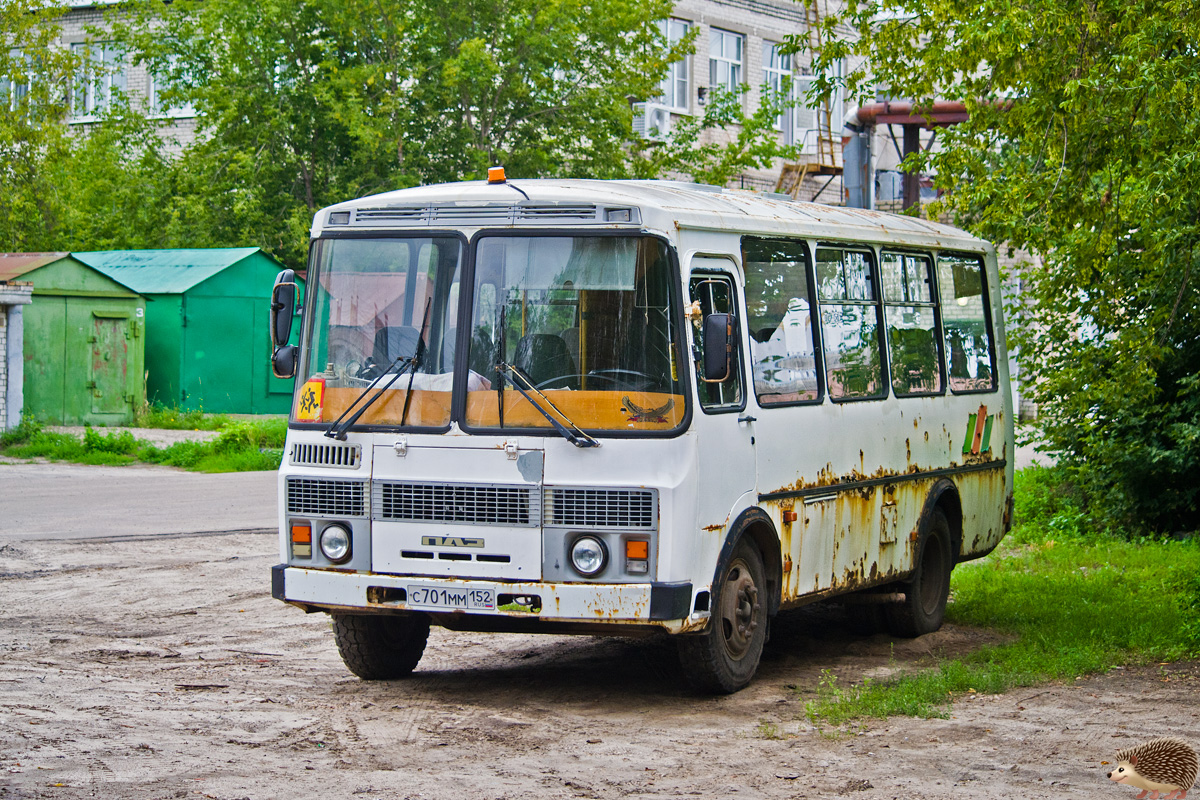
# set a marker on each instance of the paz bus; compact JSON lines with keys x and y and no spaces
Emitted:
{"x":632,"y":407}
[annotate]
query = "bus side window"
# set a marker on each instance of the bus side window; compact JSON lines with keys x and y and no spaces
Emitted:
{"x":715,"y":293}
{"x":780,"y":319}
{"x":966,"y":323}
{"x":911,"y":324}
{"x":850,"y":324}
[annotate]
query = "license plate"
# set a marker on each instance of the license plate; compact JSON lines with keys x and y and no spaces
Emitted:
{"x":449,"y":597}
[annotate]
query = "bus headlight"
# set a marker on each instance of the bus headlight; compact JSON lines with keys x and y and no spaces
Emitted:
{"x":589,"y":556}
{"x":335,"y":543}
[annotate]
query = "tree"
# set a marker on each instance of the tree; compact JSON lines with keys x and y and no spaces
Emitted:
{"x":1082,"y":147}
{"x":33,"y":107}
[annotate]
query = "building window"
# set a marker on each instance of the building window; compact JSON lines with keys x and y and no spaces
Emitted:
{"x":777,"y":80}
{"x":160,"y":81}
{"x":675,"y":85}
{"x":14,"y":87}
{"x":725,"y":60}
{"x":102,"y":78}
{"x":808,"y":119}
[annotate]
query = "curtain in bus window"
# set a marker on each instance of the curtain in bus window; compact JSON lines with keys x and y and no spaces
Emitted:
{"x":849,"y":324}
{"x":911,"y":324}
{"x":965,"y":321}
{"x":779,"y":314}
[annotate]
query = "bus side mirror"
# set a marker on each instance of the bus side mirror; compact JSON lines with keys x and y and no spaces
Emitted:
{"x":718,"y":347}
{"x":283,"y":362}
{"x":283,"y":306}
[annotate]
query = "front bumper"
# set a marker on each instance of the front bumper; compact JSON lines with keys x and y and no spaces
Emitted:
{"x":665,"y":605}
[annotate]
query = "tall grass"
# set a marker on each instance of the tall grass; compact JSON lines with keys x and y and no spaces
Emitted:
{"x":1076,"y":603}
{"x":241,"y":446}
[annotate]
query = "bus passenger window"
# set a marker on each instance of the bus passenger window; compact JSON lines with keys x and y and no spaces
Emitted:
{"x":966,"y":322}
{"x":911,"y":326}
{"x":780,"y":319}
{"x":716,"y":296}
{"x":849,"y":324}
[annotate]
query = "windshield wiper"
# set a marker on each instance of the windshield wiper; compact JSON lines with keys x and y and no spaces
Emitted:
{"x":337,"y":429}
{"x":576,"y":436}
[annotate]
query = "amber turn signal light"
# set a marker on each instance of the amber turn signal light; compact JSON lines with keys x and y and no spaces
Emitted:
{"x":637,"y":549}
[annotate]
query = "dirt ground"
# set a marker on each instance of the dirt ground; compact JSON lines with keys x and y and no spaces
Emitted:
{"x":159,"y":667}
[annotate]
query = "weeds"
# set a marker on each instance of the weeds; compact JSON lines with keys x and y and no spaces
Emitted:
{"x":176,"y":419}
{"x":242,"y":446}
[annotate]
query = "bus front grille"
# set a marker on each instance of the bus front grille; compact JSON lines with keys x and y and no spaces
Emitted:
{"x":345,"y":456}
{"x":514,"y":506}
{"x":323,"y":498}
{"x":634,"y":509}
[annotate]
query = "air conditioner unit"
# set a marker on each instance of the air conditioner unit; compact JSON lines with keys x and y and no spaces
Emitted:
{"x":652,"y":121}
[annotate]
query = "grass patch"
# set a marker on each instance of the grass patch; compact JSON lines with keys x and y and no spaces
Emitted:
{"x":1078,"y":603}
{"x":176,"y":419}
{"x":241,"y":447}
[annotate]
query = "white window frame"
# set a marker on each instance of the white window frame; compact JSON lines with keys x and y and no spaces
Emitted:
{"x":777,"y":76}
{"x":92,"y":93}
{"x":726,"y":70}
{"x":154,"y":104}
{"x":806,"y":118}
{"x":677,"y":84}
{"x":13,"y":91}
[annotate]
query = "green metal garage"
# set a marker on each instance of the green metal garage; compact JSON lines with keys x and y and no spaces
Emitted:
{"x":208,"y":343}
{"x":84,"y":340}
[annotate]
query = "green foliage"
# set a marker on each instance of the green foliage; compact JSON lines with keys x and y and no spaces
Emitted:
{"x":165,"y":418}
{"x":1116,"y":602}
{"x":25,"y":430}
{"x":1082,"y":149}
{"x":33,"y":77}
{"x":242,"y":446}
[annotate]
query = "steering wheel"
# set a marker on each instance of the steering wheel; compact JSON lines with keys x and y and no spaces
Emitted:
{"x":613,"y":378}
{"x":626,"y":377}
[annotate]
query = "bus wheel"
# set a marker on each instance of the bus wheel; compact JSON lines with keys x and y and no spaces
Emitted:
{"x":381,"y":647}
{"x":725,"y":657}
{"x":924,"y":605}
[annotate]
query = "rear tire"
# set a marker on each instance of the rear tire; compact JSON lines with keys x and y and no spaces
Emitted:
{"x":725,"y":657}
{"x":924,"y":606}
{"x":381,"y":647}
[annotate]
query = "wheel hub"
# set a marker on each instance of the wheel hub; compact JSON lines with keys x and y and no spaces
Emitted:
{"x":739,"y":610}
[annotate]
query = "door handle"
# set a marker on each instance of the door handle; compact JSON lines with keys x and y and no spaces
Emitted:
{"x":747,"y":418}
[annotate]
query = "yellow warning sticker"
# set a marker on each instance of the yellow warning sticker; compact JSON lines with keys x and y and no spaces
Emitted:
{"x":312,"y":394}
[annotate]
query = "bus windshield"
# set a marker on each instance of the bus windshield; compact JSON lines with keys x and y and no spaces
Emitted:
{"x":374,"y":301}
{"x":588,"y":320}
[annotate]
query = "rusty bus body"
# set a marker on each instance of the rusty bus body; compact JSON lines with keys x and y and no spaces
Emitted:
{"x":630,"y":407}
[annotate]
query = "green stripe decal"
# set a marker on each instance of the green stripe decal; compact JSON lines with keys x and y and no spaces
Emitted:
{"x":970,"y":437}
{"x":987,"y":435}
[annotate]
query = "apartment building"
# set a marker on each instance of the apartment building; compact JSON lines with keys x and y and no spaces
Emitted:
{"x":738,"y":42}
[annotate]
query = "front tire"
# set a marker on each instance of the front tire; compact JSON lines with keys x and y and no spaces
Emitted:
{"x":725,"y":657}
{"x":381,"y":647}
{"x":924,"y":606}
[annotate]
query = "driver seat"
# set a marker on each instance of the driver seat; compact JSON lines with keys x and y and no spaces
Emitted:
{"x":543,"y":356}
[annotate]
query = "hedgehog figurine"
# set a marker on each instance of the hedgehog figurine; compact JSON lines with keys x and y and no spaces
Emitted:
{"x":1163,"y":768}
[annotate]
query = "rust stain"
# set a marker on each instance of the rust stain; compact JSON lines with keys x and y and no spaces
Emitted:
{"x":711,"y":528}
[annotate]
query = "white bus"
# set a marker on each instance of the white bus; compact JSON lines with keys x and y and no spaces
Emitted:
{"x":634,"y":407}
